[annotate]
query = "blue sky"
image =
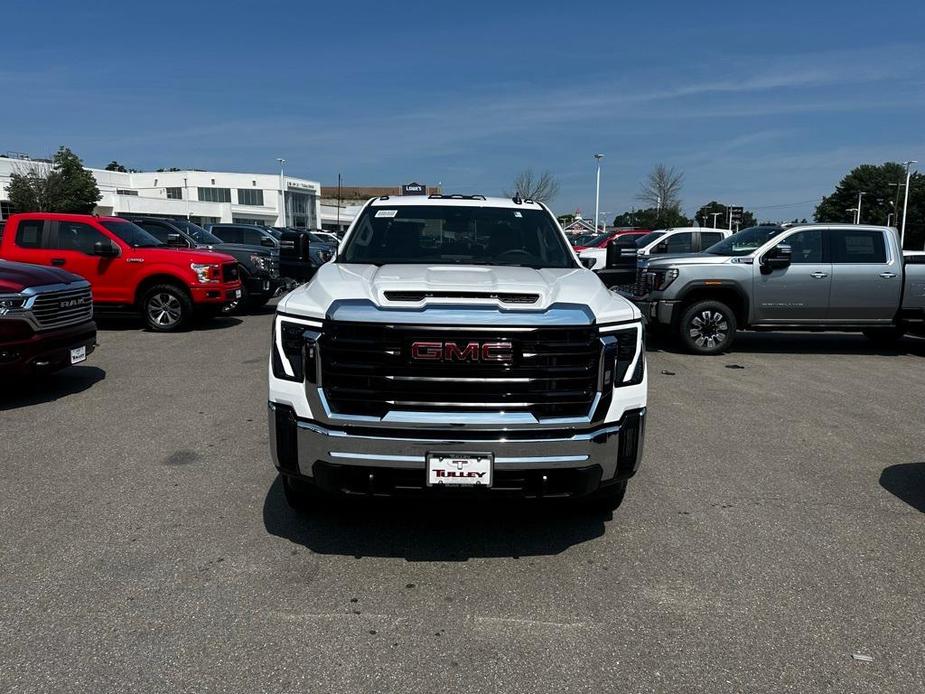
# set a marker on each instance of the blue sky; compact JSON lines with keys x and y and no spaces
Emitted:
{"x":761,"y":104}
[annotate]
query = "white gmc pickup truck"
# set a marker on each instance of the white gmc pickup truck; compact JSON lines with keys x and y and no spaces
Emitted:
{"x":455,"y":346}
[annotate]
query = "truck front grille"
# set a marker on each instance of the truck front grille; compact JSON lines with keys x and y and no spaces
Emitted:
{"x":61,"y":308}
{"x":370,"y":369}
{"x":230,"y":272}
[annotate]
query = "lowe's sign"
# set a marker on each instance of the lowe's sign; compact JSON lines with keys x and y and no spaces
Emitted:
{"x":414,"y":189}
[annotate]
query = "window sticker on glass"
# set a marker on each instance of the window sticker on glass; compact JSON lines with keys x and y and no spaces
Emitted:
{"x":518,"y":214}
{"x":386,"y":213}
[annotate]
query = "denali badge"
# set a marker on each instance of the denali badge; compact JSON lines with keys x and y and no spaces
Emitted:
{"x":468,"y":352}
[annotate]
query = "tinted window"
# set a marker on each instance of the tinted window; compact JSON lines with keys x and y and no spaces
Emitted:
{"x":746,"y":241}
{"x":805,"y":246}
{"x":158,"y":231}
{"x":644,"y":241}
{"x":708,"y":238}
{"x":77,"y":236}
{"x":132,"y":234}
{"x":228,"y":234}
{"x":29,"y":233}
{"x":850,"y":246}
{"x":252,"y":237}
{"x":469,"y":235}
{"x":679,"y":243}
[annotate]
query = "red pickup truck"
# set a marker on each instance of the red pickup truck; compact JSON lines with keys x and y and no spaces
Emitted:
{"x":46,"y":319}
{"x":126,"y":266}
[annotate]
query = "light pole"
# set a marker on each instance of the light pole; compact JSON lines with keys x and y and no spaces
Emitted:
{"x":889,"y":217}
{"x":597,"y":192}
{"x":715,"y":215}
{"x":855,"y":211}
{"x":861,"y":194}
{"x":902,"y":232}
{"x":282,"y":193}
{"x":186,"y":195}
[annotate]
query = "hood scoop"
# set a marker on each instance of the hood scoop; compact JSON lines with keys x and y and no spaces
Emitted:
{"x":504,"y":297}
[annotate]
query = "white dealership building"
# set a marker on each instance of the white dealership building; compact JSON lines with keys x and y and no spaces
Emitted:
{"x":203,"y":196}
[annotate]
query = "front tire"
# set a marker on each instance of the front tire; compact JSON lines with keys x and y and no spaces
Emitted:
{"x":300,"y":496}
{"x":708,"y":327}
{"x":610,"y":497}
{"x":166,"y":307}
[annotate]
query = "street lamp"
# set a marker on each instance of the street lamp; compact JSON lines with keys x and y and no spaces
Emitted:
{"x":715,"y":215}
{"x":853,"y":210}
{"x":597,"y":191}
{"x":282,"y":194}
{"x":902,"y":232}
{"x":861,"y":194}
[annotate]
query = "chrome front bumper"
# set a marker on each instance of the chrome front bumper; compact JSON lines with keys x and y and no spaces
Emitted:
{"x":298,"y":444}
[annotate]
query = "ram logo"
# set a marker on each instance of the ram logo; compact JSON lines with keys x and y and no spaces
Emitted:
{"x":491,"y":352}
{"x":70,"y":303}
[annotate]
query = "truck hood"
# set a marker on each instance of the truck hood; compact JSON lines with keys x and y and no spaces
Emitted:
{"x":14,"y":277}
{"x":236,"y":248}
{"x":687,"y":259}
{"x":346,"y":282}
{"x":179,"y":256}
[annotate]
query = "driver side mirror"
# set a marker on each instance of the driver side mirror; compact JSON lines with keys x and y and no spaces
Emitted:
{"x":105,"y":249}
{"x":268,"y":242}
{"x":776,"y":258}
{"x":587,"y":262}
{"x":176,"y":241}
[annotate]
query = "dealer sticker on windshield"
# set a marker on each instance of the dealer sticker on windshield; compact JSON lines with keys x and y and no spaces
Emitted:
{"x":386,"y":213}
{"x":459,"y":469}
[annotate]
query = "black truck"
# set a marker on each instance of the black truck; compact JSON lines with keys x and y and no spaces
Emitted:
{"x":300,"y":254}
{"x":258,"y":265}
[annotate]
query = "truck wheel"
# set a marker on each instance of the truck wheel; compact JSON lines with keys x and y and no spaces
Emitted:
{"x":708,"y":327}
{"x":299,"y":494}
{"x":610,"y":497}
{"x":166,"y":307}
{"x":885,"y":336}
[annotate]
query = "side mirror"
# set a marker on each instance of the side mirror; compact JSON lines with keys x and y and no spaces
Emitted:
{"x":105,"y":249}
{"x":587,"y":262}
{"x":268,"y":242}
{"x":776,"y":258}
{"x":176,"y":240}
{"x":661,"y":248}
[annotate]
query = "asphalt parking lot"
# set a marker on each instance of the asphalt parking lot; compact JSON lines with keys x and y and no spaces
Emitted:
{"x":775,"y":531}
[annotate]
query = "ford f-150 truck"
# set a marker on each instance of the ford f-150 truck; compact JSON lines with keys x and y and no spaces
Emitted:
{"x":125,"y":265}
{"x":46,"y":319}
{"x":456,"y":346}
{"x":806,"y":277}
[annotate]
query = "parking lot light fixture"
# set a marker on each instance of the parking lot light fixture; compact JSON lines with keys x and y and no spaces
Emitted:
{"x":597,"y":193}
{"x":715,"y":215}
{"x":861,"y":194}
{"x":853,"y":210}
{"x":282,"y":193}
{"x":902,"y":232}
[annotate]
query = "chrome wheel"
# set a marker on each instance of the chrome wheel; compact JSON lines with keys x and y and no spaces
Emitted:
{"x":708,"y":329}
{"x":164,"y":309}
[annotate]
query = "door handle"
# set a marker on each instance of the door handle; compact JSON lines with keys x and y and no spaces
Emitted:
{"x":888,"y":275}
{"x":57,"y":261}
{"x":819,"y":275}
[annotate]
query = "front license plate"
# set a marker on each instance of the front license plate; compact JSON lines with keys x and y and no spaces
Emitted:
{"x":459,"y":469}
{"x":237,"y":293}
{"x":78,"y":354}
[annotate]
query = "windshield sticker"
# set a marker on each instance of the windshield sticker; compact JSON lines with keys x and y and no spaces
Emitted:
{"x":386,"y":213}
{"x":518,"y":214}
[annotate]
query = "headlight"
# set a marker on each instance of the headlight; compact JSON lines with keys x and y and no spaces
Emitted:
{"x":660,"y":279}
{"x":11,"y":302}
{"x":206,"y":272}
{"x":296,"y":343}
{"x":622,"y":358}
{"x":261,"y":262}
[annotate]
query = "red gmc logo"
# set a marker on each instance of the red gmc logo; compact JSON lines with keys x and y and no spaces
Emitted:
{"x":468,"y":352}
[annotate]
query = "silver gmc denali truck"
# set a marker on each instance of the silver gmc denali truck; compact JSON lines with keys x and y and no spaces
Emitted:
{"x":807,"y":277}
{"x":455,"y":346}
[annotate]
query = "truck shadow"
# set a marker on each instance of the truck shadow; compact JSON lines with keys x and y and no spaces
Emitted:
{"x":50,"y":387}
{"x":449,"y":531}
{"x":127,"y":321}
{"x":802,"y":343}
{"x":906,"y":482}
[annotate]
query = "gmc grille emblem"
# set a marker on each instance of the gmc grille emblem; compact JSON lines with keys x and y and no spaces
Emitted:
{"x":494,"y":352}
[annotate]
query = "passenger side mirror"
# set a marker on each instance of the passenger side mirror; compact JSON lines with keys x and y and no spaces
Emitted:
{"x":587,"y":262}
{"x":105,"y":249}
{"x":776,"y":258}
{"x":176,"y":240}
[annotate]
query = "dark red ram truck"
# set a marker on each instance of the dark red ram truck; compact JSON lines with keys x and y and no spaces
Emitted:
{"x":46,"y":319}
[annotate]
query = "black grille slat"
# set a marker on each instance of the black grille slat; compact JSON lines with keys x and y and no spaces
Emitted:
{"x":503,"y":297}
{"x":367,"y":370}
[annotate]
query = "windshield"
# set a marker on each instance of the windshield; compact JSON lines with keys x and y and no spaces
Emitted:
{"x":745,"y":241}
{"x":434,"y":234}
{"x":644,"y":241}
{"x":587,"y":239}
{"x":132,"y":234}
{"x":199,"y":234}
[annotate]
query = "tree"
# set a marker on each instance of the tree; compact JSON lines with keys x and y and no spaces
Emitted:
{"x":883,"y":186}
{"x":542,"y":187}
{"x":564,"y":219}
{"x":662,"y":188}
{"x":116,"y":166}
{"x":704,"y":216}
{"x":652,"y":218}
{"x":62,"y":186}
